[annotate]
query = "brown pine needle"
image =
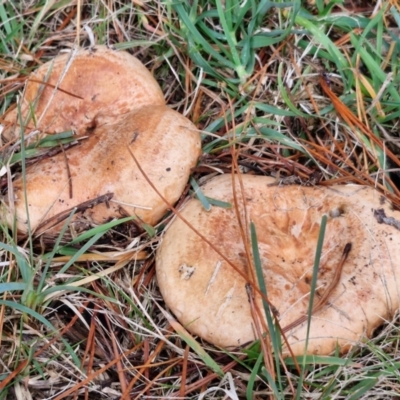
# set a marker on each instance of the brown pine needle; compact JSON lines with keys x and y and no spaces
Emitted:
{"x":345,"y":113}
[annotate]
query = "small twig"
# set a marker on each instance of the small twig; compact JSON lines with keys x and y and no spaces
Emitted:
{"x":95,"y":374}
{"x":90,"y":348}
{"x":78,"y":22}
{"x":139,"y":372}
{"x":56,"y":219}
{"x":119,"y":365}
{"x":208,"y":378}
{"x":54,"y":87}
{"x":71,"y":195}
{"x":184,"y":372}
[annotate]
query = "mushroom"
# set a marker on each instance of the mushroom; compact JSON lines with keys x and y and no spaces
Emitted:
{"x":208,"y":295}
{"x":165,"y":144}
{"x":115,"y":106}
{"x":83,"y":89}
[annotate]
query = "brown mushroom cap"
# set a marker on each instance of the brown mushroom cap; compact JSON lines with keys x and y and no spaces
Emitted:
{"x":96,"y":85}
{"x":209,"y":297}
{"x":166,"y":144}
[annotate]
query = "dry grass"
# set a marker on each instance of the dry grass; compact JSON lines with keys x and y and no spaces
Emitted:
{"x":310,"y":97}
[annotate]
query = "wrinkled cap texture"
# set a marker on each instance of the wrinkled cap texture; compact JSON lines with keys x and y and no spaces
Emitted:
{"x":82,"y":89}
{"x":166,"y":145}
{"x":209,"y":297}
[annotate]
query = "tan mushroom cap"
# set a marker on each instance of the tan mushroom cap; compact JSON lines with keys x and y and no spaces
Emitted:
{"x":209,"y":297}
{"x":165,"y":143}
{"x":96,"y":85}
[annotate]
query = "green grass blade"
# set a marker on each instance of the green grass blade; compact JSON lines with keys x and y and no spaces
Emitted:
{"x":218,"y":203}
{"x":25,"y":310}
{"x":318,"y":35}
{"x":81,"y":251}
{"x":318,"y":253}
{"x":23,"y":265}
{"x":285,"y":95}
{"x":67,"y":287}
{"x":12,"y":286}
{"x":253,"y":376}
{"x":274,"y":334}
{"x":53,"y":252}
{"x":194,"y":345}
{"x":101,"y":229}
{"x":199,"y":194}
{"x":363,"y":387}
{"x":375,"y":68}
{"x":198,"y":38}
{"x":98,"y":230}
{"x":229,"y":33}
{"x":277,"y":392}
